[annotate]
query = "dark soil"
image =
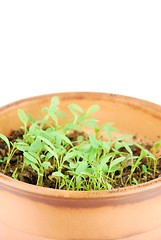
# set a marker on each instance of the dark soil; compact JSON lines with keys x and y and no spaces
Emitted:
{"x":30,"y":176}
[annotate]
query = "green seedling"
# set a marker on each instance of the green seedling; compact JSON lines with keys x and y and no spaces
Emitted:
{"x":93,"y":160}
{"x":23,"y":118}
{"x":10,"y":154}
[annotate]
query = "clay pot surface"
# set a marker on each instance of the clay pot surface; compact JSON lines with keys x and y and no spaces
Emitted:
{"x":29,"y":212}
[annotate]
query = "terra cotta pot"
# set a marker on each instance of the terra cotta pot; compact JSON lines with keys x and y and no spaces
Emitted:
{"x":28,"y":212}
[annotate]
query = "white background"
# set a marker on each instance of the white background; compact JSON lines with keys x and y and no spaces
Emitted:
{"x":58,"y":46}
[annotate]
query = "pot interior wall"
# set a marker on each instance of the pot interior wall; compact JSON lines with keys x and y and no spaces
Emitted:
{"x":129,"y":115}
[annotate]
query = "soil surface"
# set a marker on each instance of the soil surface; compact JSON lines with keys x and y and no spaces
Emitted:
{"x":30,"y":176}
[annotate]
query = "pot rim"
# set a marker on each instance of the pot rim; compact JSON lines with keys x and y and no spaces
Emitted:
{"x":15,"y":185}
{"x":29,"y":189}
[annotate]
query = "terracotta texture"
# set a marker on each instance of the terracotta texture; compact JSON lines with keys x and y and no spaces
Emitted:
{"x":35,"y":213}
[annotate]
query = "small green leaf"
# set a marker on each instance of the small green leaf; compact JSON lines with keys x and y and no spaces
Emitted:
{"x":105,"y":168}
{"x":33,"y":127}
{"x":105,"y":159}
{"x":94,"y":142}
{"x":55,"y":101}
{"x":134,"y":181}
{"x":53,"y":115}
{"x":92,"y":109}
{"x":46,"y":165}
{"x":109,"y":186}
{"x":146,"y":153}
{"x":157,"y":145}
{"x":113,"y":169}
{"x":45,"y":140}
{"x":145,"y":169}
{"x":75,"y":107}
{"x":51,"y":151}
{"x":127,"y":146}
{"x":71,"y":155}
{"x":30,"y":118}
{"x":5,"y":139}
{"x":71,"y":126}
{"x":109,"y":129}
{"x":3,"y":160}
{"x":106,"y":146}
{"x":35,"y":168}
{"x":36,"y":146}
{"x":22,"y":146}
{"x":91,"y":154}
{"x":116,"y":161}
{"x":53,"y":110}
{"x":57,"y":174}
{"x":62,"y":136}
{"x":30,"y":158}
{"x":78,"y":180}
{"x":118,"y":145}
{"x":82,"y":167}
{"x":92,"y":123}
{"x":73,"y":165}
{"x":22,"y":116}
